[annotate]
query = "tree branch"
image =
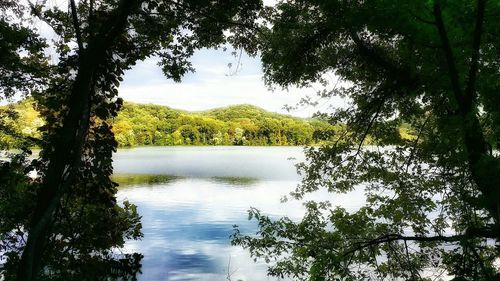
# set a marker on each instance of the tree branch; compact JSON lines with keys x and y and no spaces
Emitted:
{"x":402,"y":75}
{"x":417,"y":17}
{"x":76,"y":25}
{"x":91,"y":10}
{"x":207,"y":15}
{"x":471,"y":83}
{"x":398,"y":237}
{"x":415,"y":143}
{"x":452,"y":70}
{"x":370,"y":125}
{"x":487,"y":232}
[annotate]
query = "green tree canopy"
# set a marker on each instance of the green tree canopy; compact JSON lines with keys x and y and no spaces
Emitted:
{"x":23,"y":63}
{"x":432,"y":202}
{"x":139,"y":125}
{"x":65,"y":223}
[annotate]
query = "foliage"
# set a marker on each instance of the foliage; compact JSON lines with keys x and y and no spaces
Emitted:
{"x":234,"y":125}
{"x":432,"y":201}
{"x":23,"y":64}
{"x":66,"y":223}
{"x":140,"y":125}
{"x":19,"y":123}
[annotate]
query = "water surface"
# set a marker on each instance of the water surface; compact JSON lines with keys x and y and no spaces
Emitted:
{"x":190,"y":198}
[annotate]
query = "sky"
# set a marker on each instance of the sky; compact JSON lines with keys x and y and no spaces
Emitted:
{"x":212,"y":85}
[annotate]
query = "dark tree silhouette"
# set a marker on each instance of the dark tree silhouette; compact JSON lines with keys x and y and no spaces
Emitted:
{"x":432,"y":203}
{"x":74,"y":222}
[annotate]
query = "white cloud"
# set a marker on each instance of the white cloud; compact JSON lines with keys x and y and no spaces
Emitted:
{"x":212,"y":86}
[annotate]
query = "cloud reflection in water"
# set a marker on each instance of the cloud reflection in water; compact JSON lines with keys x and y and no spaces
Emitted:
{"x":190,"y":198}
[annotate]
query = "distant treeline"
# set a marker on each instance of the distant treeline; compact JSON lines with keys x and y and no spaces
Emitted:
{"x":17,"y":122}
{"x":139,"y":125}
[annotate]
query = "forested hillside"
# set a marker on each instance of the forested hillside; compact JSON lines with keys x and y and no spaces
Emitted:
{"x":139,"y":124}
{"x":18,"y":121}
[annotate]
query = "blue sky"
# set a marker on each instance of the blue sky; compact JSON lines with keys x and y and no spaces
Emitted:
{"x":211,"y":86}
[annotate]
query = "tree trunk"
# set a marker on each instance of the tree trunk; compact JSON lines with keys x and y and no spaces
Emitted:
{"x":484,"y":168}
{"x":67,"y":147}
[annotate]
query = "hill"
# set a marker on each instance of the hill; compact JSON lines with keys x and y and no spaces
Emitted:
{"x":147,"y":124}
{"x":233,"y":112}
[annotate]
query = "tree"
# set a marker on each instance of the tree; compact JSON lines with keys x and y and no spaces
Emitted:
{"x":189,"y":134}
{"x":432,"y":202}
{"x":20,"y":71}
{"x":73,"y":195}
{"x":23,"y":66}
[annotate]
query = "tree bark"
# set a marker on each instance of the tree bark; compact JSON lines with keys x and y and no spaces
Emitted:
{"x":67,"y":147}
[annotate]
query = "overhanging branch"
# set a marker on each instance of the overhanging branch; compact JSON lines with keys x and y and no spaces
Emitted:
{"x":487,"y":232}
{"x":398,"y":237}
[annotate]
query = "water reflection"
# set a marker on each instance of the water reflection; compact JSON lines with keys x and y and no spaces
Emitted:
{"x":266,"y":163}
{"x":235,"y":181}
{"x":188,"y":211}
{"x":125,"y":180}
{"x":187,"y":224}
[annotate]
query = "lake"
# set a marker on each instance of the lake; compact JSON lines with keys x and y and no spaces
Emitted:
{"x":190,"y":198}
